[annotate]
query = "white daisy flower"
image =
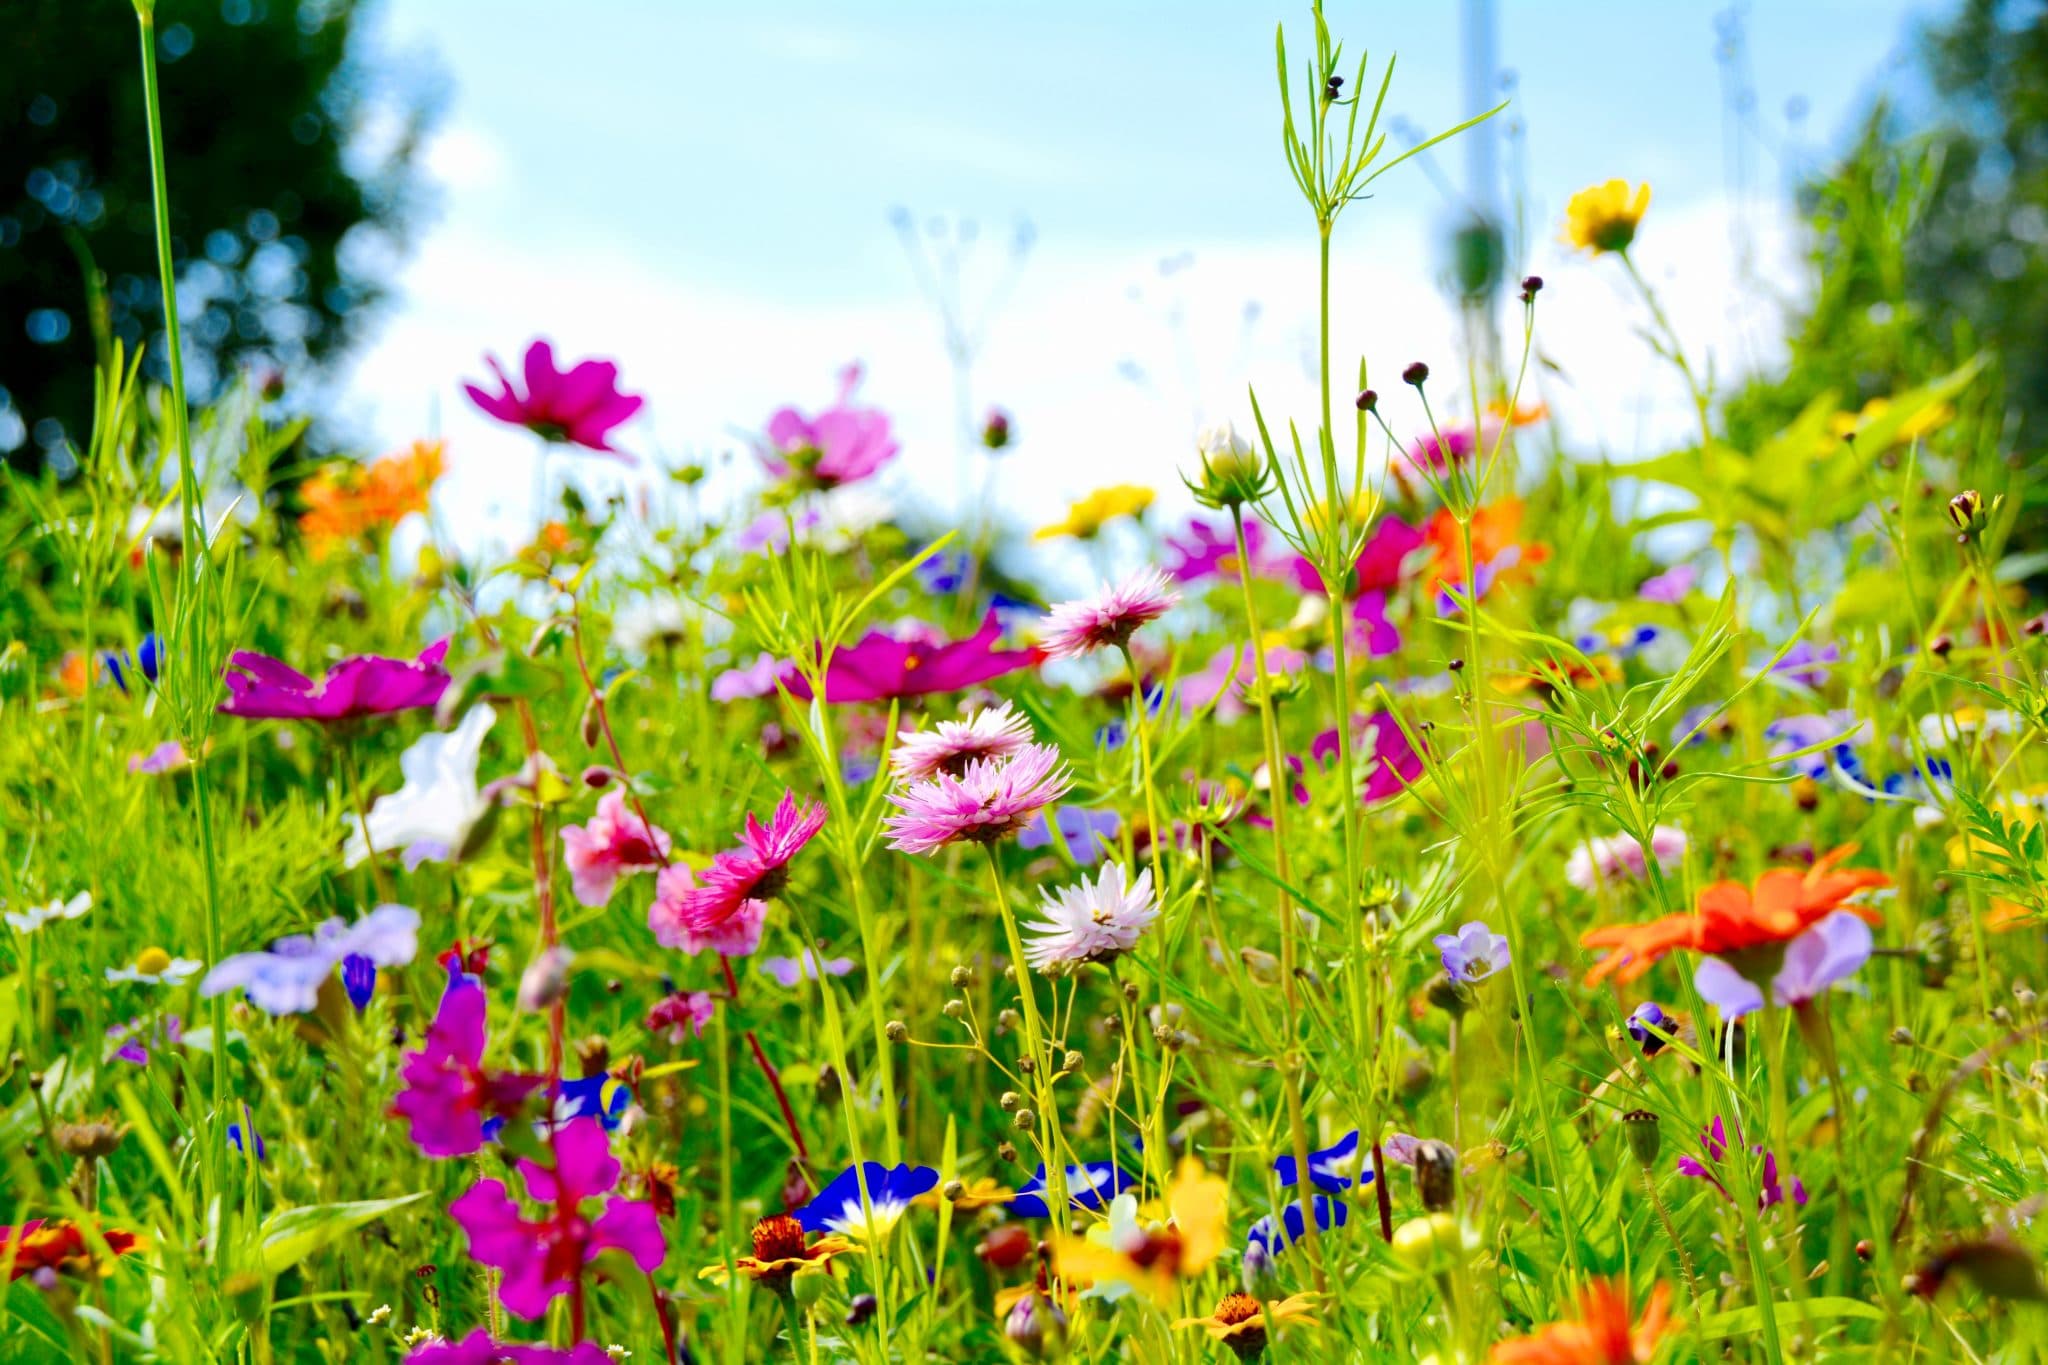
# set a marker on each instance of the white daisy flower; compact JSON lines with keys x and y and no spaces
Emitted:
{"x":155,"y":967}
{"x":36,"y":916}
{"x":1091,"y":921}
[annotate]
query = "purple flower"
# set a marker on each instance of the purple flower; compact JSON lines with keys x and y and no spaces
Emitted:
{"x":1671,"y":586}
{"x":1790,"y":734}
{"x":1370,"y":632}
{"x":136,"y":1037}
{"x":943,"y":573}
{"x":1645,"y":1017}
{"x":1382,"y":752}
{"x":841,"y":445}
{"x":262,"y":688}
{"x":1831,"y":951}
{"x":1807,"y":665}
{"x":478,"y":1348}
{"x":757,"y":679}
{"x":788,"y":971}
{"x":915,"y":663}
{"x":447,"y":1098}
{"x":287,"y":978}
{"x":1474,"y":953}
{"x":891,"y":1190}
{"x":1715,"y":1143}
{"x":578,"y":406}
{"x":543,"y":1260}
{"x":1086,"y":833}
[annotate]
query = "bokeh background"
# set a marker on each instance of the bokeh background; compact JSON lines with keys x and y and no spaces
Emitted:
{"x":1074,"y":211}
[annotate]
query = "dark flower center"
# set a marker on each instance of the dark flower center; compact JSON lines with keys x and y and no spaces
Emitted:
{"x":778,"y":1238}
{"x":1236,"y":1308}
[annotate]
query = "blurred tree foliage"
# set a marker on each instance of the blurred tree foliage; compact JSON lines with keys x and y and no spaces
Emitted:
{"x":1928,"y":238}
{"x":292,"y":172}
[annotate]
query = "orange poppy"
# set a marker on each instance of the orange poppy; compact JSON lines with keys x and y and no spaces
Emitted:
{"x":1603,"y":1333}
{"x":344,"y":502}
{"x":1730,"y":918}
{"x":1494,"y":531}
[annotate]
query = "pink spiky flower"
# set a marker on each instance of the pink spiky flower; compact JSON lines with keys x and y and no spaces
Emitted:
{"x":953,"y":744}
{"x":758,"y":870}
{"x":1108,"y":619}
{"x":992,"y":800}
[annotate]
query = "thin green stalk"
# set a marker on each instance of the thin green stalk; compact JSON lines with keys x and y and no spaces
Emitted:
{"x":1034,"y":1047}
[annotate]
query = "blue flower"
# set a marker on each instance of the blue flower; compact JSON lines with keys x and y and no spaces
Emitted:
{"x":1333,"y":1168}
{"x":287,"y":978}
{"x":944,"y":572}
{"x":148,"y":659}
{"x":1644,"y":1017}
{"x":594,"y":1097}
{"x":1474,"y":953}
{"x":1086,"y":833}
{"x":359,"y":979}
{"x":1088,"y":1187}
{"x":235,"y":1135}
{"x":1789,"y":735}
{"x":891,"y":1190}
{"x":1329,"y":1213}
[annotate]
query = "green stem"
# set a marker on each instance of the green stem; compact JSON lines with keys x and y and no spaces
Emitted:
{"x":1034,"y":1048}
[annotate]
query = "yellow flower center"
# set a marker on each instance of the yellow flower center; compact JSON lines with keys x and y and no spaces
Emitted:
{"x":152,"y":961}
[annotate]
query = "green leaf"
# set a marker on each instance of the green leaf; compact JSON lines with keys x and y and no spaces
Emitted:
{"x":291,"y":1235}
{"x":1742,"y":1321}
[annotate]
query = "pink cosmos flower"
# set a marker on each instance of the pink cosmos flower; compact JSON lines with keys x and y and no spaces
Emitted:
{"x":757,"y":871}
{"x":1715,"y":1142}
{"x":1110,"y":618}
{"x":167,"y":757}
{"x":951,"y":745}
{"x":614,"y":844}
{"x":1438,"y":451}
{"x":841,"y":445}
{"x":1383,"y":564}
{"x":447,"y":1097}
{"x":680,"y":1016}
{"x":479,"y":1349}
{"x":1618,"y":857}
{"x":543,"y":1260}
{"x":913,"y":663}
{"x":1671,"y":586}
{"x":579,"y":406}
{"x":1209,"y":550}
{"x":757,"y":679}
{"x":1382,"y":752}
{"x":992,"y":800}
{"x":738,"y":935}
{"x":262,"y":688}
{"x":1370,"y":632}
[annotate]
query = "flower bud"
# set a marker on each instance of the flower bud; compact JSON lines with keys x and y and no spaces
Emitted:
{"x":1436,"y":1174}
{"x":1415,"y":374}
{"x":1233,"y":472}
{"x":1258,"y":1271}
{"x":896,"y":1031}
{"x":91,"y":1140}
{"x":1367,"y":400}
{"x":955,"y":1009}
{"x":1035,"y":1326}
{"x":1009,"y":1101}
{"x":1645,"y":1138}
{"x":1023,"y":1119}
{"x":1532,"y":285}
{"x":1965,"y":508}
{"x":962,"y":978}
{"x":952,"y":1190}
{"x":1426,"y":1243}
{"x":1006,"y":1150}
{"x":1073,"y":1061}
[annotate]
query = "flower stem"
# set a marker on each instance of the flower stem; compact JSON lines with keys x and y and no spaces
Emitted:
{"x":1034,"y":1047}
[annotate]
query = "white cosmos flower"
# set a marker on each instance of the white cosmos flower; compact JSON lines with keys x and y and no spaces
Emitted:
{"x":1091,"y":921}
{"x":431,"y":814}
{"x":36,"y":916}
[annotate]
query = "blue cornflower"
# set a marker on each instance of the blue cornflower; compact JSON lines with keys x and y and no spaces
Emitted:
{"x":1329,"y":1213}
{"x":891,"y":1191}
{"x":1334,"y":1168}
{"x":1088,"y":1187}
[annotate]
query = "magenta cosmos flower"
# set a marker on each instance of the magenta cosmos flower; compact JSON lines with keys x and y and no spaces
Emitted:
{"x":992,"y":800}
{"x":913,"y":663}
{"x":1715,"y":1143}
{"x":578,"y":406}
{"x":447,"y":1097}
{"x":543,"y":1259}
{"x":615,"y":843}
{"x":1108,"y":619}
{"x":757,"y":871}
{"x":843,"y":444}
{"x":263,"y":688}
{"x":479,"y":1349}
{"x":951,"y":745}
{"x":1383,"y":563}
{"x":1390,"y":763}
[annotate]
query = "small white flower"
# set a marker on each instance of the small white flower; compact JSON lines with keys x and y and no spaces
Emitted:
{"x":36,"y":916}
{"x":1091,"y":922}
{"x":155,"y":967}
{"x":432,"y":813}
{"x":380,"y":1315}
{"x":617,"y":1352}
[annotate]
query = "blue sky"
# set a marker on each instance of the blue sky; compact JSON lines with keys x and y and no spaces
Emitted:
{"x":704,"y":192}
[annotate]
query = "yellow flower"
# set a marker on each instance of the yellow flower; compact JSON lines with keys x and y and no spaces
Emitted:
{"x":1088,"y":516}
{"x":1153,"y":1258}
{"x":1240,"y":1320}
{"x":782,"y":1250}
{"x":1604,"y":217}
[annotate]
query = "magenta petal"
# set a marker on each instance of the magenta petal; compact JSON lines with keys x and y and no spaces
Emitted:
{"x":487,"y":1214}
{"x":542,"y":379}
{"x":629,"y":1225}
{"x":583,"y":1159}
{"x":499,"y":405}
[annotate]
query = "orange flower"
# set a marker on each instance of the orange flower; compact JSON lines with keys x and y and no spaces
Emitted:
{"x":1240,"y":1320}
{"x":59,"y":1246}
{"x":1494,"y":528}
{"x":1730,"y":918}
{"x":345,"y":502}
{"x":781,"y":1251}
{"x":1602,"y":1335}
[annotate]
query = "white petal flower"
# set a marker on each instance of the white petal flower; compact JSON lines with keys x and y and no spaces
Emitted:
{"x":431,"y":814}
{"x":36,"y":916}
{"x":1091,"y":921}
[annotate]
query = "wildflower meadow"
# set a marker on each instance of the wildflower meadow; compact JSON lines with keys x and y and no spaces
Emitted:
{"x":1404,"y":910}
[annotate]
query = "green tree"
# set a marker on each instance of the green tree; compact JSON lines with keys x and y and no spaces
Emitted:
{"x":291,"y":158}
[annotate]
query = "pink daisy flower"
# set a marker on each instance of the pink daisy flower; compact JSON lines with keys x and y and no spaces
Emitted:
{"x":992,"y":800}
{"x":953,"y":744}
{"x":614,"y":844}
{"x":738,"y":935}
{"x":1605,"y":860}
{"x":756,"y":871}
{"x":1110,"y":618}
